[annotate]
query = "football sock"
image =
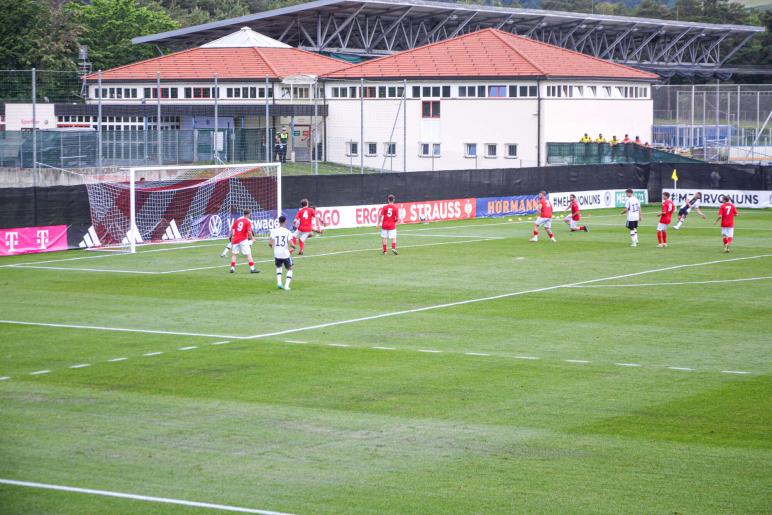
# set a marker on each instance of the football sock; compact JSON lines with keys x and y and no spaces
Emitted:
{"x":384,"y":248}
{"x":393,"y":244}
{"x":251,"y":265}
{"x":535,"y":232}
{"x":278,"y":276}
{"x":289,"y":279}
{"x":729,"y":240}
{"x":294,"y":240}
{"x":659,"y":236}
{"x":233,"y":263}
{"x":550,"y":234}
{"x":302,"y":245}
{"x":664,"y":236}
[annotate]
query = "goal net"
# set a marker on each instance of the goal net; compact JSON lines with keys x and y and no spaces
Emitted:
{"x":178,"y":203}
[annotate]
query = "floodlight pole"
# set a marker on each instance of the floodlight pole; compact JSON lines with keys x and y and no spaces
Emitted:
{"x":158,"y":115}
{"x":216,"y":128}
{"x":34,"y":121}
{"x":99,"y":121}
{"x":404,"y":125}
{"x":268,"y":153}
{"x":315,"y":147}
{"x":362,"y":126}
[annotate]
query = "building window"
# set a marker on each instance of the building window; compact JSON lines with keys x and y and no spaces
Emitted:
{"x":429,"y":150}
{"x":491,"y":150}
{"x":352,"y":148}
{"x":467,"y":91}
{"x":372,"y":149}
{"x":592,"y":91}
{"x":390,"y":149}
{"x":445,"y":91}
{"x":416,"y":91}
{"x":497,"y":91}
{"x":513,"y":91}
{"x":480,"y":91}
{"x":430,"y":109}
{"x":381,"y":91}
{"x":511,"y":151}
{"x":470,"y":150}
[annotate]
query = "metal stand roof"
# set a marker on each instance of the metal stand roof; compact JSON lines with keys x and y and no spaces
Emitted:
{"x":370,"y":28}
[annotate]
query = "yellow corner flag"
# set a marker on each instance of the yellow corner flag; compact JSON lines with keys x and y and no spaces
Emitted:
{"x":675,"y":175}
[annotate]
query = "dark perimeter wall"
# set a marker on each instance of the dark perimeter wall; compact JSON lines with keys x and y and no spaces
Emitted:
{"x":58,"y":205}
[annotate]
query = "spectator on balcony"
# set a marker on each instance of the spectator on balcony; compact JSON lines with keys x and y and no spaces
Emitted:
{"x":585,"y":139}
{"x":637,"y":140}
{"x":600,"y":138}
{"x":626,"y":140}
{"x":614,"y":140}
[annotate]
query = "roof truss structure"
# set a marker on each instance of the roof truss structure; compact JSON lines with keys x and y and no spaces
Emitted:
{"x":371,"y":28}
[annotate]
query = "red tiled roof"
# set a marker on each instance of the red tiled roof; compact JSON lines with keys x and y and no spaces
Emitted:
{"x":490,"y":53}
{"x":227,"y":63}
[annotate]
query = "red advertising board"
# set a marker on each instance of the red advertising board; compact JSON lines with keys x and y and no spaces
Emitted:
{"x":29,"y":240}
{"x":437,"y":210}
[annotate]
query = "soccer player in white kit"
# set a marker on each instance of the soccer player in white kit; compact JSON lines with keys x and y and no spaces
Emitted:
{"x":686,"y":208}
{"x":634,"y":215}
{"x":281,"y":241}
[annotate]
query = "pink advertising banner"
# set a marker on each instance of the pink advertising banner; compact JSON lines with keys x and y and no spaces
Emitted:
{"x":29,"y":240}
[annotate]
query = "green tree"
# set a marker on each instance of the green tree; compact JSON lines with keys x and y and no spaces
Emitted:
{"x":109,"y":26}
{"x":652,"y":9}
{"x":37,"y":33}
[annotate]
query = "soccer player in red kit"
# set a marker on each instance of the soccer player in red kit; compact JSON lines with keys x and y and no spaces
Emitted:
{"x":545,"y":217}
{"x":573,"y":219}
{"x":726,"y":213}
{"x":388,"y":218}
{"x":241,"y":240}
{"x":665,"y":217}
{"x":304,"y":225}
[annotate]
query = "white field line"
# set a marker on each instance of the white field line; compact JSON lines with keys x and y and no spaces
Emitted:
{"x":683,"y":369}
{"x":579,"y":361}
{"x":4,"y":378}
{"x":135,"y":497}
{"x":338,"y":345}
{"x":82,"y":365}
{"x":628,"y":364}
{"x":495,"y":297}
{"x":390,"y":313}
{"x":295,"y":341}
{"x":384,"y":348}
{"x":39,"y":372}
{"x":225,"y":265}
{"x":374,"y":250}
{"x":72,"y":269}
{"x":220,"y":343}
{"x":115,"y":360}
{"x":715,"y":281}
{"x":685,"y":228}
{"x":188,"y":348}
{"x":153,"y":353}
{"x":476,"y":354}
{"x":116,"y":329}
{"x":429,"y":351}
{"x":739,"y":372}
{"x":222,"y":244}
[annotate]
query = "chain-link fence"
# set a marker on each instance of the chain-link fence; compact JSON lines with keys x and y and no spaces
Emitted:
{"x":718,"y":122}
{"x":58,"y":119}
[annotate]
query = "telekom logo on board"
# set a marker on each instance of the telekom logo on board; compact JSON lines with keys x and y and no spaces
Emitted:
{"x":11,"y":241}
{"x":27,"y":240}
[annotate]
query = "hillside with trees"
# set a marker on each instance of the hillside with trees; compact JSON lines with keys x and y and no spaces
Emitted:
{"x":46,"y":33}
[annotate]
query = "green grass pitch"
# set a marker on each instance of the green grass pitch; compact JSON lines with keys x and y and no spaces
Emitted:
{"x":474,"y":373}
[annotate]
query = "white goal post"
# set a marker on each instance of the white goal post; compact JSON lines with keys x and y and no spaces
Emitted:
{"x":179,"y":203}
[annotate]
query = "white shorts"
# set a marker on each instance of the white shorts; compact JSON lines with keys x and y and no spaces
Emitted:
{"x":662,"y":227}
{"x":545,"y":222}
{"x":573,"y":224}
{"x":245,"y":247}
{"x":302,"y":236}
{"x":389,"y":233}
{"x":728,"y":232}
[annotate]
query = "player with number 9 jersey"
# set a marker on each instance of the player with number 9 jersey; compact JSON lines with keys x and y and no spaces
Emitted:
{"x":388,"y":217}
{"x":241,"y":240}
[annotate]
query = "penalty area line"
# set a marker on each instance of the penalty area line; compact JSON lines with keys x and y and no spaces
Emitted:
{"x":391,"y":314}
{"x":136,"y":497}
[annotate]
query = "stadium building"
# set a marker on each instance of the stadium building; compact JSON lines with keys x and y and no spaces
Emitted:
{"x":487,"y":99}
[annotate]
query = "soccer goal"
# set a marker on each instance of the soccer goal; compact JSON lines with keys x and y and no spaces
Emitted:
{"x":179,"y":203}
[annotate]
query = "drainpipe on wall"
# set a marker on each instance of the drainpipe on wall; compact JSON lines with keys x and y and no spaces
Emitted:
{"x":538,"y":123}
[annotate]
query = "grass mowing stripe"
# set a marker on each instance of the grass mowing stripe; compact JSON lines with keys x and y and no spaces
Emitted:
{"x":136,"y":497}
{"x":117,"y":329}
{"x":497,"y":297}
